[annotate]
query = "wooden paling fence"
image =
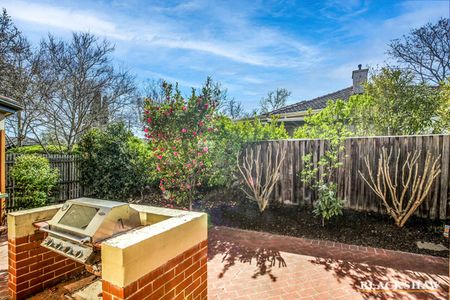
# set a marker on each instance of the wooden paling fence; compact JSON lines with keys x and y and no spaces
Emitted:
{"x":69,"y":186}
{"x":350,"y":186}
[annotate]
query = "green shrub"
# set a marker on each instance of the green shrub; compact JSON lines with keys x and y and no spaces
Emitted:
{"x":328,"y":205}
{"x":34,"y":180}
{"x":229,"y":139}
{"x":114,"y":163}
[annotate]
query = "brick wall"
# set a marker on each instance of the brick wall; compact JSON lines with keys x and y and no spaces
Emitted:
{"x":33,"y":268}
{"x":183,"y":277}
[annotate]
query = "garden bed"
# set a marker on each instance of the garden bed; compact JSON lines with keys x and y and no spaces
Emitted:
{"x":353,"y":227}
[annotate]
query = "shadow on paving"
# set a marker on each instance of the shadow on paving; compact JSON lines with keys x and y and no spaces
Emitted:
{"x":348,"y":263}
{"x":264,"y":259}
{"x":386,"y":258}
{"x":361,"y":273}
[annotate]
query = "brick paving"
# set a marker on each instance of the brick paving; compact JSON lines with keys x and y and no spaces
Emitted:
{"x":3,"y":267}
{"x":254,"y":265}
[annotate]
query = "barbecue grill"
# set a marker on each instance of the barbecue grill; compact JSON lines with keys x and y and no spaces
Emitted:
{"x":80,"y":225}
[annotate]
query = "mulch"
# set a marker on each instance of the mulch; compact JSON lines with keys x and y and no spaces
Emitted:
{"x":230,"y":208}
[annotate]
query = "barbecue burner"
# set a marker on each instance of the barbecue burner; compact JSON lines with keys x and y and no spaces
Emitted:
{"x":81,"y":224}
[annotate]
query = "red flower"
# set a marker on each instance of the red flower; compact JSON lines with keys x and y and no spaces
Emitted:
{"x":175,"y":153}
{"x":160,"y":157}
{"x":205,"y":149}
{"x":184,"y":130}
{"x":146,"y":129}
{"x":149,"y":120}
{"x":184,"y":108}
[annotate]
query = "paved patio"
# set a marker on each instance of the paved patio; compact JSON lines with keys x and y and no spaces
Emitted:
{"x":254,"y":265}
{"x":3,"y":267}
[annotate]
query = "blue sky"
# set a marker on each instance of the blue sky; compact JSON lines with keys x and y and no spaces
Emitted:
{"x":309,"y":47}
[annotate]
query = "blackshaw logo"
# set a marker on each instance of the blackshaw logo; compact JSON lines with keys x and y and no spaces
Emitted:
{"x":429,"y":286}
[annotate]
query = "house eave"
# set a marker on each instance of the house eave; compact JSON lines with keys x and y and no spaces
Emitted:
{"x":290,"y":117}
{"x":9,"y":106}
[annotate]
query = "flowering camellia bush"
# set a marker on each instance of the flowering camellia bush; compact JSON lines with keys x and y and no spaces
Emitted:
{"x":176,"y":129}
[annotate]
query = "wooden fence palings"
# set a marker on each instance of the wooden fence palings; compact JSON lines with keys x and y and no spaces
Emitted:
{"x":68,"y":187}
{"x":351,"y":187}
{"x":291,"y":190}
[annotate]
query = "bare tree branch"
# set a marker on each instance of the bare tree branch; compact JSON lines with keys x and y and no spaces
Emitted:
{"x":413,"y":188}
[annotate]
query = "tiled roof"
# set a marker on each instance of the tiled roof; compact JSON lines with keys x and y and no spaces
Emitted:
{"x":316,"y":103}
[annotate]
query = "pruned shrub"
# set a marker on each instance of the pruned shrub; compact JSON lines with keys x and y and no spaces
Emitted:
{"x":261,"y":179}
{"x":34,"y":180}
{"x":402,"y":188}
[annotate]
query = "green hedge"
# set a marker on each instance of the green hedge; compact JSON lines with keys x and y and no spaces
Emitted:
{"x":34,"y":180}
{"x":114,"y":163}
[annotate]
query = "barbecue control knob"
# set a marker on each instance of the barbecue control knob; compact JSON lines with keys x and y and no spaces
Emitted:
{"x":79,"y":254}
{"x":67,"y":249}
{"x":48,"y":242}
{"x":59,"y":246}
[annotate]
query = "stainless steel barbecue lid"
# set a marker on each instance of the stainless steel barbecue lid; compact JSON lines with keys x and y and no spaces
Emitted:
{"x":81,"y":223}
{"x":94,"y":218}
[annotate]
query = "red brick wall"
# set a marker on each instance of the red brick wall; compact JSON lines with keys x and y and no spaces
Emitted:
{"x":33,"y":268}
{"x":183,"y":277}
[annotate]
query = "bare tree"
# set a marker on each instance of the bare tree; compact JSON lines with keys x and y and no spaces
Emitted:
{"x":261,"y":179}
{"x":233,"y":109}
{"x":401,"y":199}
{"x":274,"y":100}
{"x":21,"y":79}
{"x":88,"y":92}
{"x":425,"y":51}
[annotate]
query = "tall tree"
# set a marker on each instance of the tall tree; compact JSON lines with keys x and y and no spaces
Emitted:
{"x":233,"y":109}
{"x":425,"y":51}
{"x":274,"y":100}
{"x":89,"y":90}
{"x":21,"y":78}
{"x":395,"y":105}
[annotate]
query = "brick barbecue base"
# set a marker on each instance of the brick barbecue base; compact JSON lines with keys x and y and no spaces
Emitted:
{"x":183,"y":277}
{"x":33,"y":268}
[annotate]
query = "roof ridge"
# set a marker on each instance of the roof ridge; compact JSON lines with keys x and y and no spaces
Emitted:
{"x":335,"y":92}
{"x":307,"y":101}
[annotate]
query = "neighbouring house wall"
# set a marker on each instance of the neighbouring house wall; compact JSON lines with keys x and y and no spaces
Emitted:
{"x":32,"y":268}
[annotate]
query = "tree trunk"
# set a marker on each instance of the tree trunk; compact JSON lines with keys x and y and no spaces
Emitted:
{"x":19,"y":129}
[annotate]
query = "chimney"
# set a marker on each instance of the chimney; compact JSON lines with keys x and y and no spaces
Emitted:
{"x":359,"y":78}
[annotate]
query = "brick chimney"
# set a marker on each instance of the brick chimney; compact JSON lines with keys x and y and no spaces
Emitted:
{"x":359,"y":78}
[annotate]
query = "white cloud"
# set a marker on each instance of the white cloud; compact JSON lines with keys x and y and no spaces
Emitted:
{"x":248,"y":45}
{"x":188,"y":41}
{"x":63,"y":18}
